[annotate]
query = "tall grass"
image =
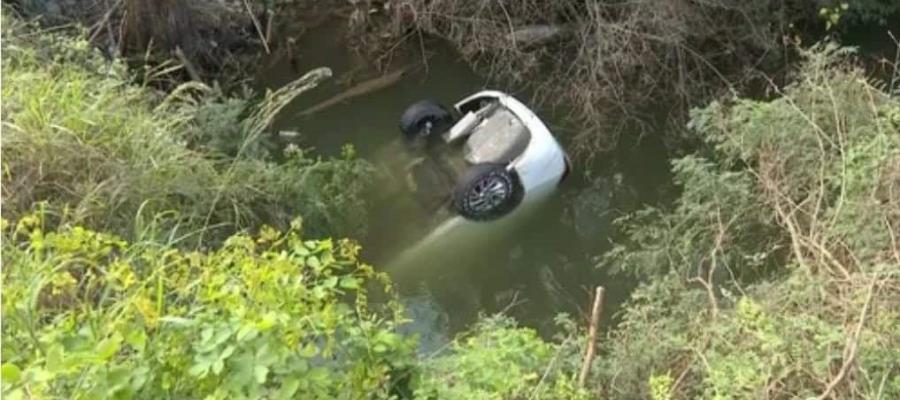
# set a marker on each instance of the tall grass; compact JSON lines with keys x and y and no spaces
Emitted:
{"x":99,"y":150}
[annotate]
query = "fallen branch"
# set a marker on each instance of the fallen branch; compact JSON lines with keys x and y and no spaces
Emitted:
{"x":596,"y":310}
{"x":366,"y":87}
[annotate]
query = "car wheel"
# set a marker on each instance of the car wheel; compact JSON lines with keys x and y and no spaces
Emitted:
{"x":487,"y":191}
{"x":424,"y":120}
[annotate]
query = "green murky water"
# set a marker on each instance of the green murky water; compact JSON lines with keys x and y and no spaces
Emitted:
{"x":531,"y":269}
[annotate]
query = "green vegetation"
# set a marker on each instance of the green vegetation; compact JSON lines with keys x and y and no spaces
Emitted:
{"x":88,"y":315}
{"x":776,"y":274}
{"x":169,"y":304}
{"x":499,"y":360}
{"x":128,"y":273}
{"x":119,"y":157}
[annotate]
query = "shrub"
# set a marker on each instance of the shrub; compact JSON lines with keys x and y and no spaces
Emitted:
{"x":498,"y":360}
{"x":89,"y":315}
{"x":802,"y":184}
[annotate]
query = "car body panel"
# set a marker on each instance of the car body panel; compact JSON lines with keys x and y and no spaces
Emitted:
{"x":543,"y":162}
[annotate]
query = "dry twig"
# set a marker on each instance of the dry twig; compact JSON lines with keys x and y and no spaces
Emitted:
{"x":596,"y":310}
{"x":850,"y":350}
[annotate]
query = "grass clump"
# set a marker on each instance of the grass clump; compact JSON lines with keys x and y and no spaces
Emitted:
{"x":106,"y":153}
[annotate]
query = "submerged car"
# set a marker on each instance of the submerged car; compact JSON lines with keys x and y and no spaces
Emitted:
{"x":487,"y":159}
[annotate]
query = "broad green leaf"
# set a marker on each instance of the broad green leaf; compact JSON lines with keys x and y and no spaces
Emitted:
{"x":10,"y":373}
{"x":109,"y":347}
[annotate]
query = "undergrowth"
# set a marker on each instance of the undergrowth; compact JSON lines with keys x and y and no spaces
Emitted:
{"x":104,"y":152}
{"x":123,"y":276}
{"x":87,"y":315}
{"x":777,"y":274}
{"x":613,"y":67}
{"x":606,"y":66}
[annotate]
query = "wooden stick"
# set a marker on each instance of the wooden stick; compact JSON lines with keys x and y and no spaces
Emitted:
{"x":592,"y":336}
{"x":259,"y":31}
{"x":366,"y":87}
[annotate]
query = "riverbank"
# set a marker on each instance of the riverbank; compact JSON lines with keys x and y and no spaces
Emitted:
{"x":137,"y":261}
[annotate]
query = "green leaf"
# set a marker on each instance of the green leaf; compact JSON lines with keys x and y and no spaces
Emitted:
{"x":349,"y":282}
{"x":227,"y":352}
{"x":260,"y":372}
{"x":288,"y":388}
{"x":265,"y":356}
{"x":54,"y":358}
{"x":177,"y":321}
{"x":10,"y":373}
{"x":217,"y":366}
{"x":308,"y":350}
{"x":199,"y":369}
{"x":139,"y":377}
{"x":136,"y":338}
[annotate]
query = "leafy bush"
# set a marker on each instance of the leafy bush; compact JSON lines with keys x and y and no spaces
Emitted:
{"x":803,"y":185}
{"x":498,"y":360}
{"x":89,"y":315}
{"x":106,"y":154}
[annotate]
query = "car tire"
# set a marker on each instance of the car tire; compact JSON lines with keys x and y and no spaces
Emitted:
{"x":487,"y":191}
{"x":424,"y":120}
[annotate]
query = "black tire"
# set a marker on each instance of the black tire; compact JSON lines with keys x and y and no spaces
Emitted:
{"x":424,"y":120}
{"x":487,"y":191}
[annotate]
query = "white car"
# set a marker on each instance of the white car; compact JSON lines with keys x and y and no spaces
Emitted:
{"x":498,"y":157}
{"x":480,"y":175}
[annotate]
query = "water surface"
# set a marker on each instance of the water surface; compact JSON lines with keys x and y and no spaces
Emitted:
{"x":531,"y":269}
